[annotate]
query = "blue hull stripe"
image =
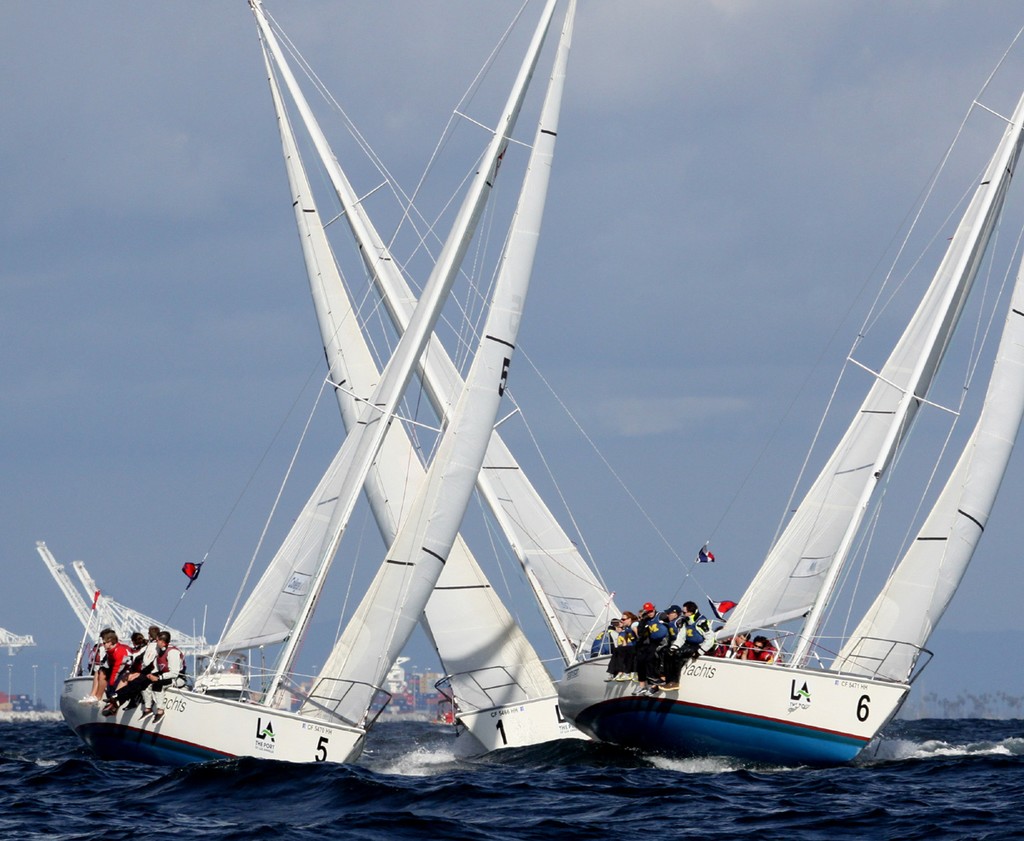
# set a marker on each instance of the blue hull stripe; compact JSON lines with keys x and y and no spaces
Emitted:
{"x":679,"y":728}
{"x":117,"y":741}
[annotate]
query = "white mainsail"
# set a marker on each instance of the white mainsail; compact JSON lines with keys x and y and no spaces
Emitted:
{"x":800,"y":572}
{"x":889,"y":637}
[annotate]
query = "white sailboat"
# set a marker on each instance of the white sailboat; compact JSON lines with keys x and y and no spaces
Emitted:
{"x":823,"y":702}
{"x":504,"y":694}
{"x":334,"y":715}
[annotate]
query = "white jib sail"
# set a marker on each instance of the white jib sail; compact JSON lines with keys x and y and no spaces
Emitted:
{"x":797,"y":577}
{"x":898,"y":624}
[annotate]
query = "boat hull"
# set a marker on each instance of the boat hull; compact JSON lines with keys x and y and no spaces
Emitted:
{"x":198,"y":728}
{"x":735,"y":708}
{"x":519,"y":724}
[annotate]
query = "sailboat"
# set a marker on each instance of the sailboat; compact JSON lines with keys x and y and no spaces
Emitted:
{"x":823,"y":703}
{"x":336,"y":711}
{"x":495,"y":680}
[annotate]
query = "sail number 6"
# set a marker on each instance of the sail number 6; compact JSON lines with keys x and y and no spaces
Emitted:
{"x":862,"y":708}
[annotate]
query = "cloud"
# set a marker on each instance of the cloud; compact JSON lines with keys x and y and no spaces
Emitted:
{"x":638,"y":417}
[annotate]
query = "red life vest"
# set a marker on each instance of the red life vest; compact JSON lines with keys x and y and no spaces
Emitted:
{"x":162,"y":665}
{"x":119,"y":658}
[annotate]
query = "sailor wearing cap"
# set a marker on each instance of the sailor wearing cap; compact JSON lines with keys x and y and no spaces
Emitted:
{"x":651,"y":634}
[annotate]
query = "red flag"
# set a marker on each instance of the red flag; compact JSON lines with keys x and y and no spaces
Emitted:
{"x":192,"y":571}
{"x":721,"y":608}
{"x":95,"y":599}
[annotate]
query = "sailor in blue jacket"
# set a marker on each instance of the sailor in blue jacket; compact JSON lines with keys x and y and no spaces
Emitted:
{"x":652,"y":634}
{"x":694,"y":638}
{"x":606,"y":641}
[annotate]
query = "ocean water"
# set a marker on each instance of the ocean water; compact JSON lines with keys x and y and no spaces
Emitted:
{"x":929,"y":779}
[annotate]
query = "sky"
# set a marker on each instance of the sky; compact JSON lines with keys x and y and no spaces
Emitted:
{"x":729,"y":178}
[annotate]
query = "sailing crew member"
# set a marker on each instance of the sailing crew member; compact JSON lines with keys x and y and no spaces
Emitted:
{"x":606,"y":640}
{"x":170,"y":671}
{"x":623,"y":660}
{"x":695,"y":637}
{"x":97,"y":661}
{"x":652,"y":632}
{"x":117,"y":662}
{"x":762,"y":650}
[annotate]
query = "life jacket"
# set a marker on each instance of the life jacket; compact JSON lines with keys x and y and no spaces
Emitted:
{"x":602,"y":644}
{"x":137,"y":655}
{"x":693,"y":631}
{"x":120,"y":660}
{"x":704,"y":626}
{"x":163,"y":666}
{"x":652,"y":630}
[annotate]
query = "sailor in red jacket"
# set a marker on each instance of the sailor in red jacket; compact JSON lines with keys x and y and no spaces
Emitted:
{"x":117,"y":662}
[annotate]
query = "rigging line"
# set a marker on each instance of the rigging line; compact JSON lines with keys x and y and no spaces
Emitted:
{"x":983,"y":327}
{"x":447,"y":134}
{"x":362,"y":142}
{"x":863,"y":551}
{"x":874,"y":313}
{"x":539,"y":550}
{"x":389,"y":179}
{"x":936,"y":173}
{"x":357,"y":553}
{"x":489,"y":528}
{"x":873,"y":316}
{"x":1014,"y":256}
{"x":932,"y":183}
{"x":405,"y":201}
{"x":259,"y":543}
{"x":603,"y":460}
{"x":999,"y":63}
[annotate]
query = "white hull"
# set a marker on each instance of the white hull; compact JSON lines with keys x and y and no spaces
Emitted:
{"x":735,"y":708}
{"x":197,"y":727}
{"x":519,"y":724}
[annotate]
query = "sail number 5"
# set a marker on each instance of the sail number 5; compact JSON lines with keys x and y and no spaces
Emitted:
{"x":321,"y":749}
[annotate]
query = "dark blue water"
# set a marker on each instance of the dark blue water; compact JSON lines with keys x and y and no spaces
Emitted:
{"x":933,"y":779}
